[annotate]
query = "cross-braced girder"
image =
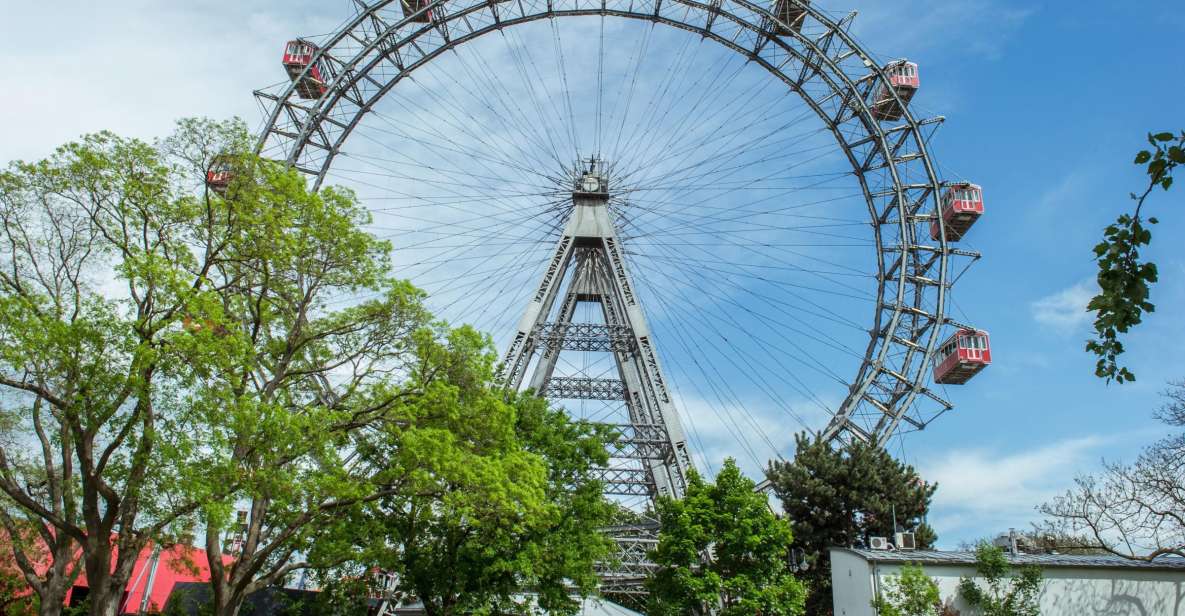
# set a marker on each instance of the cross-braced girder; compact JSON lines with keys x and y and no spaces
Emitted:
{"x":651,"y":457}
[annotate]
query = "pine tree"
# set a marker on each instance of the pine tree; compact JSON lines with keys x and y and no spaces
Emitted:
{"x":843,"y":497}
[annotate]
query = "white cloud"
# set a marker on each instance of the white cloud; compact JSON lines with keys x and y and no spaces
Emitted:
{"x":982,"y":492}
{"x":134,"y":67}
{"x":1065,"y":311}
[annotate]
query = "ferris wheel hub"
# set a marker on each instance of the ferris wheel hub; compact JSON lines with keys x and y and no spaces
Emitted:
{"x":591,"y":180}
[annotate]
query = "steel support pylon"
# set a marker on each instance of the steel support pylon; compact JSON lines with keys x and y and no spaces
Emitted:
{"x":650,"y":458}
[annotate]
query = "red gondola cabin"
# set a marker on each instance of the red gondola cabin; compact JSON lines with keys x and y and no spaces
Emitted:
{"x":219,"y":174}
{"x":298,"y":55}
{"x":412,"y":8}
{"x":791,"y":14}
{"x":903,"y":78}
{"x":962,"y":205}
{"x":962,"y":356}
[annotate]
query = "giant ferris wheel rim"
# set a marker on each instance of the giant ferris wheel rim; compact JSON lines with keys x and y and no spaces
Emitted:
{"x":324,"y":125}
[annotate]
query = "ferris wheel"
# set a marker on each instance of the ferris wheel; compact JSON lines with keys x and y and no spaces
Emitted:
{"x":714,"y":234}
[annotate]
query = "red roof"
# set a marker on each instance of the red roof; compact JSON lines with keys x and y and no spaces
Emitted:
{"x":177,"y":563}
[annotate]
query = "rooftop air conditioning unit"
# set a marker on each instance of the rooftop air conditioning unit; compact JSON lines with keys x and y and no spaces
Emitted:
{"x":906,"y":541}
{"x":878,"y":543}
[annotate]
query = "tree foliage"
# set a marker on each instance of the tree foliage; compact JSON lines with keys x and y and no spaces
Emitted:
{"x":293,"y":369}
{"x":843,"y":497}
{"x":104,"y":254}
{"x":1124,"y":278}
{"x":912,"y":593}
{"x":1005,"y":590}
{"x":722,"y":551}
{"x":502,"y":511}
{"x":1135,"y":510}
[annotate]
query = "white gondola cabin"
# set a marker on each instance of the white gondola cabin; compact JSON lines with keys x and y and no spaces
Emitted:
{"x":904,"y":80}
{"x":298,"y":56}
{"x":962,"y":356}
{"x":962,"y":205}
{"x":412,"y":8}
{"x":792,"y":14}
{"x":219,"y":175}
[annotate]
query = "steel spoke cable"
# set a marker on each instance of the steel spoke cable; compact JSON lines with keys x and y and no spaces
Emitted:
{"x":514,"y":111}
{"x":640,"y":55}
{"x":507,"y":204}
{"x":814,"y":273}
{"x":600,"y":86}
{"x":545,"y":119}
{"x":557,"y":47}
{"x":776,"y":304}
{"x":654,"y":206}
{"x":776,"y":268}
{"x":742,"y":219}
{"x":420,"y":163}
{"x":705,"y":286}
{"x":522,"y":214}
{"x":716,"y":159}
{"x":693,"y":351}
{"x":677,"y":128}
{"x":726,"y":114}
{"x":696,"y":169}
{"x":380,"y":162}
{"x":438,"y":182}
{"x":624,"y":98}
{"x":437,"y":146}
{"x":795,"y":382}
{"x":456,"y":120}
{"x":825,"y":312}
{"x":646,"y":118}
{"x":661,"y":151}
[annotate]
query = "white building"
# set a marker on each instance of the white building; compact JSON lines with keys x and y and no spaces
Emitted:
{"x":1074,"y":585}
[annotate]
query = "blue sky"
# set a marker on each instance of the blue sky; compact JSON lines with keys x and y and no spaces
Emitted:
{"x":1046,"y":105}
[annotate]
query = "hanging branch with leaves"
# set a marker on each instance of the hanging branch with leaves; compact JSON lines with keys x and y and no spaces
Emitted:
{"x":1124,"y":279}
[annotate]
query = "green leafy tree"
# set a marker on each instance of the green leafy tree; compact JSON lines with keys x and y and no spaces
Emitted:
{"x":1005,"y":590}
{"x":1124,"y":278}
{"x":104,"y":253}
{"x":295,"y":370}
{"x":501,"y":499}
{"x":722,"y":551}
{"x":169,"y":352}
{"x":912,"y":593}
{"x":843,"y":497}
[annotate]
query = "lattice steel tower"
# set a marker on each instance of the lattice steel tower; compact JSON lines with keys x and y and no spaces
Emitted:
{"x":651,"y":457}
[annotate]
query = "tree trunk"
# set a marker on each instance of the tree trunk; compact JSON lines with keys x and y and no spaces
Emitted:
{"x":231,"y":604}
{"x":50,"y":603}
{"x":104,"y":602}
{"x":50,"y":608}
{"x":106,"y":592}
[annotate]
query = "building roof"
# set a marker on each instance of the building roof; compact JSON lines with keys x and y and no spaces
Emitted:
{"x":600,"y":607}
{"x":588,"y":607}
{"x":936,"y":557}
